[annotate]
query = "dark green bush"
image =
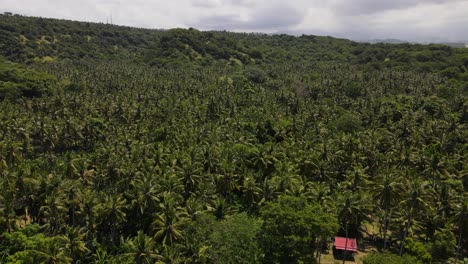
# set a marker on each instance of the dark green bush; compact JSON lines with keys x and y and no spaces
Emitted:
{"x":387,"y":258}
{"x":347,"y":123}
{"x":17,"y":81}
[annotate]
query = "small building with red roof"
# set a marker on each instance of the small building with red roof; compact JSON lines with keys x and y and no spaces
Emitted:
{"x":346,"y":244}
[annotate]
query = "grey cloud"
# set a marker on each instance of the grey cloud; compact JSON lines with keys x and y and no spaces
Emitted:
{"x":218,"y":3}
{"x":262,"y":18}
{"x":422,"y":20}
{"x":277,"y":17}
{"x":205,"y":3}
{"x":365,"y":7}
{"x":245,"y":3}
{"x":228,"y":22}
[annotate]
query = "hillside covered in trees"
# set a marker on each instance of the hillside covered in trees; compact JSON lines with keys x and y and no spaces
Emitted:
{"x":128,"y":145}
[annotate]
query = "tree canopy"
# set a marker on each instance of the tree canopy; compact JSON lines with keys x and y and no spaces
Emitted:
{"x":127,"y":145}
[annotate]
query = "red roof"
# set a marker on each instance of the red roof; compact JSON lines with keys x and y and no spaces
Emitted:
{"x":340,"y":243}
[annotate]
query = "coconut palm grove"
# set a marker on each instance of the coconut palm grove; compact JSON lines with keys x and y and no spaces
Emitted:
{"x":130,"y":145}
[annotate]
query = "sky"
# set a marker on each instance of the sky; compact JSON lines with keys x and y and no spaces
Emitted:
{"x":410,"y":20}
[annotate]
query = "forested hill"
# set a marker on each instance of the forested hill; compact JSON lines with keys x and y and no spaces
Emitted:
{"x":31,"y":39}
{"x":126,"y":145}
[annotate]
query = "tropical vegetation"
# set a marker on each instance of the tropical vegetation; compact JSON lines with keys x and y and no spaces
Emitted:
{"x":127,"y":145}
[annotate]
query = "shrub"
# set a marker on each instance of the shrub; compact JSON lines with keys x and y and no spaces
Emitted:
{"x":17,"y":81}
{"x":418,"y":250}
{"x":444,"y":245}
{"x":387,"y":258}
{"x":255,"y":75}
{"x":347,"y":123}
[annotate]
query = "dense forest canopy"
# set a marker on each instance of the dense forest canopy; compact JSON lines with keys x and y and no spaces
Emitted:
{"x":128,"y":145}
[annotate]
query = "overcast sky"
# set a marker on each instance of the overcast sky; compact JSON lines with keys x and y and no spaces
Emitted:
{"x":413,"y":20}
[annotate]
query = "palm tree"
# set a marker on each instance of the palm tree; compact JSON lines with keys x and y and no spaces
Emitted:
{"x":111,"y":213}
{"x":322,"y":195}
{"x":194,"y":206}
{"x":227,"y":179}
{"x":168,"y":223}
{"x":144,"y":194}
{"x":190,"y":171}
{"x":142,"y":249}
{"x":102,"y":257}
{"x":461,"y":219}
{"x":413,"y":202}
{"x":285,"y":176}
{"x":442,"y":200}
{"x":263,"y":159}
{"x":53,"y":252}
{"x":54,"y":211}
{"x":73,"y":242}
{"x":386,"y":189}
{"x":73,"y":193}
{"x":251,"y":192}
{"x":7,"y":213}
{"x":445,"y":199}
{"x":169,"y":182}
{"x":87,"y":210}
{"x":220,"y":207}
{"x":316,"y":168}
{"x":356,"y":177}
{"x":352,"y":209}
{"x":269,"y":191}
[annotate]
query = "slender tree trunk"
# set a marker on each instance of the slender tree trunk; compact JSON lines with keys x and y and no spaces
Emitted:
{"x":113,"y":234}
{"x":385,"y":228}
{"x":346,"y":243}
{"x":405,"y":234}
{"x":72,"y":255}
{"x":317,"y":253}
{"x":459,"y":244}
{"x":8,"y":222}
{"x":319,"y":257}
{"x":72,"y":213}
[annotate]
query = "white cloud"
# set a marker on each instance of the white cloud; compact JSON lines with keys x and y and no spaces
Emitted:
{"x":429,"y":21}
{"x":358,"y":19}
{"x":362,"y":7}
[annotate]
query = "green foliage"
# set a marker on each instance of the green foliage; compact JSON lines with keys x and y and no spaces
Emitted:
{"x":418,"y":250}
{"x":255,"y":75}
{"x":443,"y":245}
{"x":347,"y":122}
{"x":17,"y":81}
{"x":196,"y":47}
{"x":234,"y":240}
{"x":353,"y":90}
{"x":31,"y":39}
{"x":387,"y":258}
{"x":291,"y":226}
{"x":141,"y":249}
{"x":17,"y":241}
{"x":231,"y":240}
{"x":30,"y":246}
{"x":135,"y":163}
